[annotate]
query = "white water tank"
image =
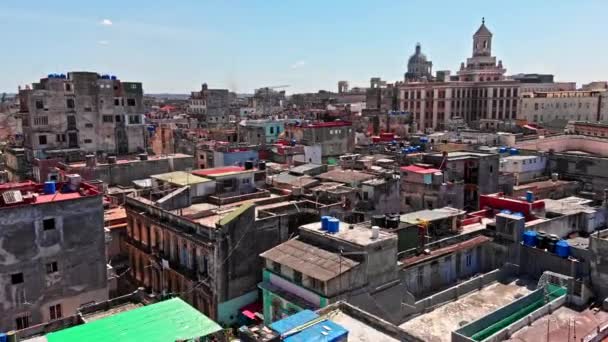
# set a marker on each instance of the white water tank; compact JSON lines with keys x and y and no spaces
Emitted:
{"x":375,"y":232}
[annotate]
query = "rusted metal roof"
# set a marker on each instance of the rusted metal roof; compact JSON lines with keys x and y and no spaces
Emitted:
{"x":309,"y":260}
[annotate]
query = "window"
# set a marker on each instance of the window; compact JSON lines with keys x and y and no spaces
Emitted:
{"x":246,"y":181}
{"x":42,"y":139}
{"x":69,"y":103}
{"x":71,"y":120}
{"x":48,"y":224}
{"x":88,"y":141}
{"x":17,"y":278}
{"x":68,"y":87}
{"x":272,"y":130}
{"x":117,"y":118}
{"x":276,"y":267}
{"x":41,"y":120}
{"x":134,"y":119}
{"x":316,"y":284}
{"x":108,"y":118}
{"x":468,"y":259}
{"x":39,"y":104}
{"x":131,"y":102}
{"x":55,"y":311}
{"x":297,"y":277}
{"x":51,"y":267}
{"x":22,"y":322}
{"x":117,"y":102}
{"x":60,"y":138}
{"x":88,"y":125}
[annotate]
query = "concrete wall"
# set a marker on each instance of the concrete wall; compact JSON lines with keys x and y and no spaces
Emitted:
{"x":77,"y":245}
{"x":535,"y":262}
{"x":598,"y":248}
{"x":589,"y":170}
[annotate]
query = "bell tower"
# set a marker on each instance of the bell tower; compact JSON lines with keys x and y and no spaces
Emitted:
{"x":482,"y":41}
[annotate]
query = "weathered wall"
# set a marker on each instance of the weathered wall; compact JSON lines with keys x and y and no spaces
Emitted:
{"x":124,"y":174}
{"x":77,"y":244}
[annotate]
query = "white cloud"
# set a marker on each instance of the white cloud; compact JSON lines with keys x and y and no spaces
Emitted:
{"x":298,"y":64}
{"x":106,"y":22}
{"x":103,"y":42}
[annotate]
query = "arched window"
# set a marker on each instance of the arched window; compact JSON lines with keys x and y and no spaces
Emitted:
{"x":485,"y":44}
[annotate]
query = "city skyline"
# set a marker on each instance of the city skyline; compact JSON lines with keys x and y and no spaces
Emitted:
{"x":300,"y":45}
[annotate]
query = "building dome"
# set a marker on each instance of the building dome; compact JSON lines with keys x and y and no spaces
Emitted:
{"x":418,"y":66}
{"x":418,"y":56}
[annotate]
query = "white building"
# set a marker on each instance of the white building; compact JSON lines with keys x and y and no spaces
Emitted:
{"x":544,"y":107}
{"x":524,"y":168}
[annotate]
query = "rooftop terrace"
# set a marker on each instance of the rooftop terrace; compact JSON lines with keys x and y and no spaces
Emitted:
{"x":359,"y":234}
{"x":437,"y":325}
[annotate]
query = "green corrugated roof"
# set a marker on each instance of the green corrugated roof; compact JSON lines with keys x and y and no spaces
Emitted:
{"x":235,"y":213}
{"x":180,"y":178}
{"x":169,"y":320}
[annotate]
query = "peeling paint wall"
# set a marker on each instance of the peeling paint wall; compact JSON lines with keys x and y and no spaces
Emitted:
{"x":76,"y":245}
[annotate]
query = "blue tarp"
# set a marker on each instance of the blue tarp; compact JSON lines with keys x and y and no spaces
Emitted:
{"x":326,"y":331}
{"x":293,"y":321}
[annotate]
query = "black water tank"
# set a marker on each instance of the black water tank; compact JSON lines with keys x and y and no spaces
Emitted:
{"x":248,"y":165}
{"x":379,"y":220}
{"x":392,"y":222}
{"x":541,"y":239}
{"x":262,"y":165}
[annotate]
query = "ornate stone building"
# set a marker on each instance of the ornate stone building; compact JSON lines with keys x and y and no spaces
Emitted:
{"x":479,"y":93}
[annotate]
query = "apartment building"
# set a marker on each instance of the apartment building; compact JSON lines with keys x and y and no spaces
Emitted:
{"x":564,"y":106}
{"x":211,"y":106}
{"x":52,"y":250}
{"x":82,"y":112}
{"x":335,"y":138}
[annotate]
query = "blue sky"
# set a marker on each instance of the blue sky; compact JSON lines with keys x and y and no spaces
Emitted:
{"x":174,"y":46}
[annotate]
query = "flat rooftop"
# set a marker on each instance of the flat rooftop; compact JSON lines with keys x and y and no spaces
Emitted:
{"x":560,"y":326}
{"x":31,"y":193}
{"x":180,"y":178}
{"x":431,"y":215}
{"x":360,"y":234}
{"x":437,"y":325}
{"x":359,"y":330}
{"x":221,"y":171}
{"x":345,"y":176}
{"x":567,"y":206}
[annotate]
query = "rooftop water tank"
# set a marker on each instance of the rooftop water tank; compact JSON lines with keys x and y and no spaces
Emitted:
{"x":506,"y":211}
{"x":424,"y":139}
{"x":518,"y":214}
{"x":324,"y":222}
{"x":530,"y":238}
{"x":49,"y":188}
{"x":562,"y":248}
{"x":529,"y":196}
{"x":379,"y":220}
{"x":502,"y":149}
{"x":333,"y":225}
{"x":513,"y":151}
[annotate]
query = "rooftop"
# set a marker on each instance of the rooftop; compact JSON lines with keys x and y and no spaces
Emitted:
{"x":345,"y":176}
{"x":220,"y":171}
{"x":431,"y":215}
{"x":568,"y":205}
{"x":309,"y":260}
{"x":180,"y":178}
{"x":419,"y":169}
{"x":359,"y":234}
{"x":169,"y":320}
{"x":360,"y":330}
{"x":302,"y":169}
{"x":29,"y":193}
{"x":542,"y":184}
{"x":560,"y":326}
{"x":438,"y":324}
{"x":433,"y":254}
{"x":115,"y":218}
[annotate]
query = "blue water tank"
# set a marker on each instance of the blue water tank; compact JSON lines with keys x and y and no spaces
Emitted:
{"x":404,"y":150}
{"x":518,"y":214}
{"x":114,"y":78}
{"x":324,"y":222}
{"x":333,"y":225}
{"x":424,"y":139}
{"x":502,"y":149}
{"x":3,"y":337}
{"x":529,"y":196}
{"x":562,"y":248}
{"x":49,"y":188}
{"x":513,"y":151}
{"x":418,"y":147}
{"x":530,"y":238}
{"x":506,"y":211}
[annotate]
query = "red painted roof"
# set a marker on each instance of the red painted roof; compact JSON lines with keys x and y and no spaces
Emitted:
{"x":327,"y":124}
{"x":217,"y":170}
{"x":419,"y":169}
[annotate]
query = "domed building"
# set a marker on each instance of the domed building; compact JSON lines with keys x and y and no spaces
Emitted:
{"x":418,"y":67}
